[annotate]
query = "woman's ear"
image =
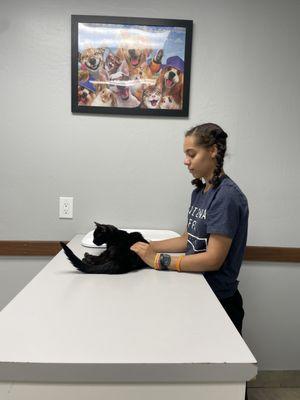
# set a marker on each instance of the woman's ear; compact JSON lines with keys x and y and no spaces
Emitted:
{"x":213,"y":151}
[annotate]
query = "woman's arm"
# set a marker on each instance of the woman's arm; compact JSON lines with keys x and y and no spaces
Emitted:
{"x":210,"y":260}
{"x":173,"y":245}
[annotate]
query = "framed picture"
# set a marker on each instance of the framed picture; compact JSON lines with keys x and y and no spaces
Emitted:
{"x":124,"y":65}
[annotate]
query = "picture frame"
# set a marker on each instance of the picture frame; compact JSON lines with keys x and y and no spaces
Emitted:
{"x":130,"y":65}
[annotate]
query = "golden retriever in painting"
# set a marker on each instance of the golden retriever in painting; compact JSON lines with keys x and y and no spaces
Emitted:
{"x":171,"y":79}
{"x":92,"y":60}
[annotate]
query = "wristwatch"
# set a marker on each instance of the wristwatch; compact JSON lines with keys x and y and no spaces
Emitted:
{"x":164,"y":260}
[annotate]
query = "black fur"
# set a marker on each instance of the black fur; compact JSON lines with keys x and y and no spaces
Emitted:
{"x":116,"y":259}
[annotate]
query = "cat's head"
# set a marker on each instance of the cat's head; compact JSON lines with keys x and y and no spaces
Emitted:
{"x":152,"y":96}
{"x":103,"y":233}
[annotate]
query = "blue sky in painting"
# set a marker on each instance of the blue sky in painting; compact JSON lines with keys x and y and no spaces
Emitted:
{"x":112,"y":36}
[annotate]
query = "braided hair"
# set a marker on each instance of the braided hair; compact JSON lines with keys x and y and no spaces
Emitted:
{"x":206,"y":135}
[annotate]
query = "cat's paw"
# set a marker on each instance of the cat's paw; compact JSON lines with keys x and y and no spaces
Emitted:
{"x":87,"y":257}
{"x":90,"y":257}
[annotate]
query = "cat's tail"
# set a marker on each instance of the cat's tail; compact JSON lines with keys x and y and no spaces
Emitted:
{"x":80,"y":265}
{"x":109,"y":267}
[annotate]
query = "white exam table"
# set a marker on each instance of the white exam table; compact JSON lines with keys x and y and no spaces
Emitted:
{"x":143,"y":335}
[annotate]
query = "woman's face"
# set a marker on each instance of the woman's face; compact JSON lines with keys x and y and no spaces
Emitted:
{"x":199,"y":160}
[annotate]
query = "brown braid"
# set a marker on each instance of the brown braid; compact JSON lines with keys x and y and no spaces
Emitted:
{"x":207,"y":135}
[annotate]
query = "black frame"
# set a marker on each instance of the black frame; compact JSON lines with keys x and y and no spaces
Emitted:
{"x":187,"y":24}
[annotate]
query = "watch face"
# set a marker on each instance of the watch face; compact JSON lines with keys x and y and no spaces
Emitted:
{"x":165,"y":259}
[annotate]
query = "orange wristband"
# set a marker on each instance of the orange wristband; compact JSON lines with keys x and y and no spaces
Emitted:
{"x":178,"y":261}
{"x":156,"y":261}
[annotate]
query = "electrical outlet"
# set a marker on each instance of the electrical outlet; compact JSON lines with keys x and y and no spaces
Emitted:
{"x":66,"y":207}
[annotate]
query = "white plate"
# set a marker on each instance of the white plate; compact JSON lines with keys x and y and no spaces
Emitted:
{"x":149,"y":234}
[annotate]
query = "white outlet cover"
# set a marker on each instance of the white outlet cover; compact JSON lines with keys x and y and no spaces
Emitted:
{"x":66,"y":207}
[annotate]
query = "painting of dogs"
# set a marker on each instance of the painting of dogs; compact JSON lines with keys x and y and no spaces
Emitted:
{"x":132,"y":66}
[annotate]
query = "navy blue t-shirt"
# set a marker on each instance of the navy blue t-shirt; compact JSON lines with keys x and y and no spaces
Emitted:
{"x":222,"y":210}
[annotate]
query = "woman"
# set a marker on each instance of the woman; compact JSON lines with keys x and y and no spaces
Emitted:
{"x":215,"y":238}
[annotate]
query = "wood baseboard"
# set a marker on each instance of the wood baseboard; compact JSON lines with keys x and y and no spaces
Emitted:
{"x":263,"y":253}
{"x":276,"y":379}
{"x":29,"y":247}
{"x":51,"y":248}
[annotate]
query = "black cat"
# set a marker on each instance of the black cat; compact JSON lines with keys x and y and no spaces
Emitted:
{"x":116,"y":259}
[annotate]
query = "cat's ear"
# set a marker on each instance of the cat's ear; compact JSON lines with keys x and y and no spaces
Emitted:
{"x":96,"y":223}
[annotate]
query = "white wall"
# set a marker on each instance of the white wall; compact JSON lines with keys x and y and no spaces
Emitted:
{"x":128,"y":170}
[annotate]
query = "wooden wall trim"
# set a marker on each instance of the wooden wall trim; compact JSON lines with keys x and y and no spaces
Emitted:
{"x":29,"y":247}
{"x":51,"y":248}
{"x":280,"y":254}
{"x":276,"y":379}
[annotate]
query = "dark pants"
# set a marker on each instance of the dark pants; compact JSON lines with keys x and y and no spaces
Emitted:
{"x":234,"y":307}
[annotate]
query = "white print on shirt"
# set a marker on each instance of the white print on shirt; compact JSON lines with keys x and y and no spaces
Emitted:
{"x":200,"y":212}
{"x":198,"y":244}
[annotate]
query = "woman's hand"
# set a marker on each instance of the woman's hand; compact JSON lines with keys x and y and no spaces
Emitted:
{"x":145,"y":252}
